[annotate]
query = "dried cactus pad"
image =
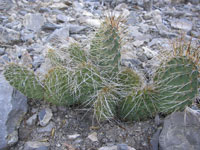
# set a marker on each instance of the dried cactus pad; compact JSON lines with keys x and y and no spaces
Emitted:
{"x":176,"y":83}
{"x":24,"y":80}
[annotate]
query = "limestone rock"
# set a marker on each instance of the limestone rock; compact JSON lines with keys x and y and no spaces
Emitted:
{"x":181,"y":131}
{"x":13,"y":108}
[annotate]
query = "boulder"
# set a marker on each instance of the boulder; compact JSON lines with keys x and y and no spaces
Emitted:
{"x":181,"y":131}
{"x":13,"y":108}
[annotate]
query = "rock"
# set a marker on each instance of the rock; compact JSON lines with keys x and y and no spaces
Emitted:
{"x":5,"y":4}
{"x":48,"y":128}
{"x":59,"y":36}
{"x":194,"y":1}
{"x":13,"y":108}
{"x":138,"y":43}
{"x":149,"y":53}
{"x":132,"y":18}
{"x":2,"y":51}
{"x":121,"y":6}
{"x":34,"y":145}
{"x":93,"y":137}
{"x":122,"y":147}
{"x":155,"y":139}
{"x":32,"y":120}
{"x":50,"y":26}
{"x":37,"y":61}
{"x":62,"y":18}
{"x":181,"y":131}
{"x":115,"y":148}
{"x":34,"y":22}
{"x":91,"y":22}
{"x":74,"y":136}
{"x":181,"y":24}
{"x":9,"y":36}
{"x":75,"y":29}
{"x":45,"y":116}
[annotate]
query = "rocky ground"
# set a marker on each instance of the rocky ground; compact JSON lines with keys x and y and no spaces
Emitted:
{"x":28,"y":28}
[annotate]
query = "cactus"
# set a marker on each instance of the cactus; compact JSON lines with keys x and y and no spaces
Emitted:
{"x":86,"y":81}
{"x":105,"y":104}
{"x":57,"y":87}
{"x":176,"y":81}
{"x":139,"y":105}
{"x":77,"y":55}
{"x":105,"y":49}
{"x":128,"y":80}
{"x":24,"y":80}
{"x":55,"y":58}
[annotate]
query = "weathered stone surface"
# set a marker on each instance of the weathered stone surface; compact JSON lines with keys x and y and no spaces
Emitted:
{"x":5,"y":4}
{"x":45,"y":116}
{"x":115,"y":148}
{"x":181,"y":24}
{"x":34,"y":145}
{"x":13,"y":108}
{"x":9,"y":36}
{"x":59,"y":36}
{"x":181,"y":131}
{"x":34,"y":22}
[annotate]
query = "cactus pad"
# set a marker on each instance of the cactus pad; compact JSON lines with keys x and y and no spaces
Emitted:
{"x":24,"y":80}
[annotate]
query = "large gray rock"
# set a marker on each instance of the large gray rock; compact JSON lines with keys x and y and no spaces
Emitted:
{"x":13,"y":108}
{"x":181,"y":131}
{"x":34,"y":22}
{"x":9,"y":36}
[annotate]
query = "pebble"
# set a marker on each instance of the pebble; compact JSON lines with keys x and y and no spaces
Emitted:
{"x":32,"y":120}
{"x":45,"y":116}
{"x":93,"y":137}
{"x":34,"y":145}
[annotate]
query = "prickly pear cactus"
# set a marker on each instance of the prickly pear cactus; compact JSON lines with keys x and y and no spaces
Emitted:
{"x":24,"y":80}
{"x":128,"y":80}
{"x":176,"y":83}
{"x":77,"y":55}
{"x":57,"y":87}
{"x":86,"y":81}
{"x":55,"y":58}
{"x":105,"y":104}
{"x":140,"y":105}
{"x":105,"y":50}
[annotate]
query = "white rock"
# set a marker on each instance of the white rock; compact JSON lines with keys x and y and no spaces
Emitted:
{"x":93,"y":137}
{"x":181,"y":24}
{"x":74,"y":136}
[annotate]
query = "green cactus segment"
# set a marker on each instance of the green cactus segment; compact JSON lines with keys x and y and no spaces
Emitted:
{"x":105,"y":50}
{"x":128,"y":80}
{"x":138,"y":106}
{"x":76,"y":54}
{"x":86,"y":81}
{"x":55,"y":58}
{"x":57,"y":87}
{"x":176,"y":84}
{"x":105,"y":104}
{"x":24,"y":80}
